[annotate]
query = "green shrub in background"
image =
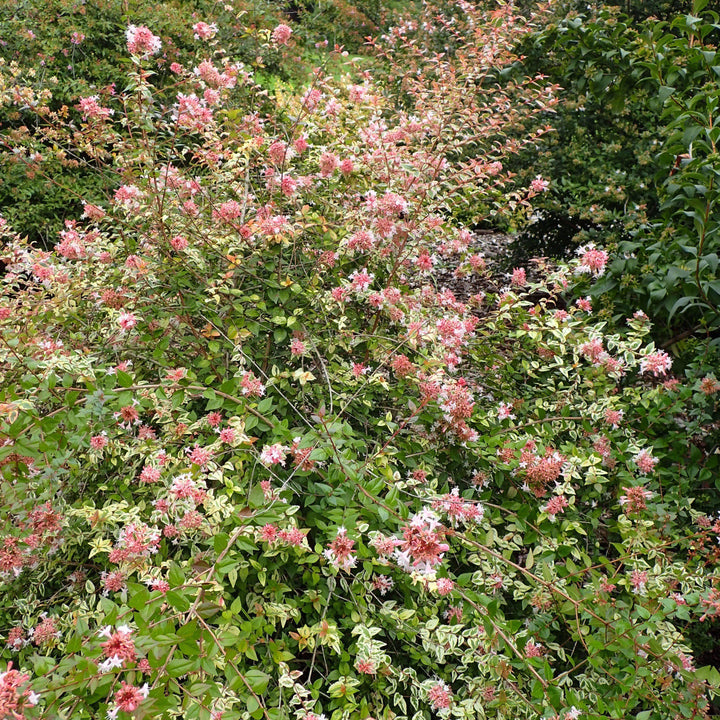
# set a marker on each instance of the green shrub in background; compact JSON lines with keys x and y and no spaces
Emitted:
{"x":634,"y":159}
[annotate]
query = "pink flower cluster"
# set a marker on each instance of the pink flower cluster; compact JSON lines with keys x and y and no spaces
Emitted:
{"x":423,"y":543}
{"x":554,"y":506}
{"x":458,"y":509}
{"x":203,"y":31}
{"x":91,"y":108}
{"x":440,"y":696}
{"x":128,"y":699}
{"x":281,"y":34}
{"x":340,"y":551}
{"x":141,"y":42}
{"x":274,"y":454}
{"x":592,"y":261}
{"x":119,"y":648}
{"x":657,"y":363}
{"x":14,"y":695}
{"x":635,"y":498}
{"x":192,"y":113}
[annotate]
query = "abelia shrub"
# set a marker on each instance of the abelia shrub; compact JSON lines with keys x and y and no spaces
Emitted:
{"x":281,"y":472}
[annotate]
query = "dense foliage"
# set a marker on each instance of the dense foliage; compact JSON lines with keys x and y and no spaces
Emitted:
{"x":255,"y":462}
{"x":634,"y":159}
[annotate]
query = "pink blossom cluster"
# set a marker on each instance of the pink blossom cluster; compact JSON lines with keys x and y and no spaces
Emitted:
{"x":423,"y":544}
{"x":119,"y":648}
{"x":274,"y":454}
{"x":657,"y":363}
{"x":192,"y":112}
{"x":340,"y":553}
{"x":554,"y":506}
{"x":204,"y":31}
{"x":634,"y":498}
{"x":127,"y":699}
{"x":457,"y":509}
{"x":281,"y":34}
{"x":592,"y":261}
{"x":251,"y":386}
{"x":540,"y":469}
{"x":91,"y":109}
{"x":645,"y":462}
{"x":141,"y":42}
{"x":15,"y":696}
{"x":210,"y":75}
{"x":128,"y":196}
{"x":289,"y":536}
{"x":136,"y":540}
{"x":440,"y":696}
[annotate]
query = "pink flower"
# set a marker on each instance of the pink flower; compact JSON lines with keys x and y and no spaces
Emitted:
{"x":328,"y":164}
{"x":297,"y":347}
{"x":709,"y":385}
{"x":93,"y":212}
{"x":193,"y":113}
{"x":77,"y":37}
{"x":365,"y":666}
{"x":91,"y":108}
{"x":203,"y":31}
{"x":128,"y":196}
{"x":178,"y":243}
{"x":592,"y":261}
{"x":658,"y":363}
{"x":159,"y":585}
{"x":273,"y":454}
{"x":98,"y":442}
{"x":228,"y":211}
{"x":638,"y":579}
{"x":340,"y":551}
{"x":149,"y":475}
{"x":504,"y":412}
{"x":614,"y":418}
{"x":119,"y":644}
{"x":292,"y":536}
{"x":645,"y":461}
{"x":635,"y":498}
{"x":227,"y":435}
{"x":361,"y":280}
{"x":268,"y":533}
{"x":584,"y":304}
{"x":533,"y":649}
{"x":128,"y":697}
{"x":141,"y":42}
{"x":126,"y":321}
{"x":13,"y":698}
{"x":200,"y":456}
{"x":539,"y":185}
{"x":422,"y":546}
{"x":519,"y":277}
{"x":281,"y":34}
{"x":113,"y":581}
{"x":440,"y":696}
{"x":383,"y":583}
{"x":279,"y":152}
{"x":251,"y":386}
{"x":445,"y":586}
{"x":45,"y":631}
{"x":554,"y":506}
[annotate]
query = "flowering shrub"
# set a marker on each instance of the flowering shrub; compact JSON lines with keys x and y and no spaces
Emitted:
{"x":255,"y":463}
